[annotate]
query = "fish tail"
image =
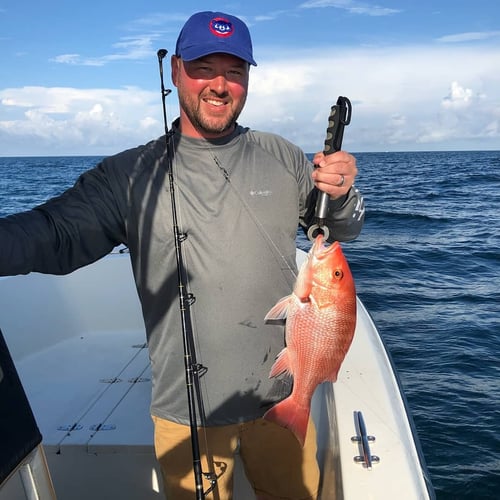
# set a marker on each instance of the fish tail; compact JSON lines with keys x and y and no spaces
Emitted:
{"x":290,"y":415}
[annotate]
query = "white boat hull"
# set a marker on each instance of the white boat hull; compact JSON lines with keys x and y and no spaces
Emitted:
{"x":78,"y":342}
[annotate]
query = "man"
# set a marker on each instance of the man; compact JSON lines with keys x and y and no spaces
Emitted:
{"x":240,"y":195}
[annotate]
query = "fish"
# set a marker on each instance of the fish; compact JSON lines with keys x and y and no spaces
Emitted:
{"x":320,"y":320}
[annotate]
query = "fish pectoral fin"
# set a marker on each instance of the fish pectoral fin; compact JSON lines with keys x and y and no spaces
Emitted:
{"x":279,"y":311}
{"x":304,"y":283}
{"x":281,"y":365}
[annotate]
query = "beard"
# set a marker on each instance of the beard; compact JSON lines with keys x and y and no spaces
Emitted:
{"x":206,"y":123}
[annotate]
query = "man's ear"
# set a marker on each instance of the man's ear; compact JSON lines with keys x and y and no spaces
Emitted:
{"x":175,"y":63}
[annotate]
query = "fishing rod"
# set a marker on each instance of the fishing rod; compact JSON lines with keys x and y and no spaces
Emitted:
{"x":193,"y":369}
{"x":340,"y":117}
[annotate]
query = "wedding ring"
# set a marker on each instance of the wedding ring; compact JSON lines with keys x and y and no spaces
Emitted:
{"x":342,"y":180}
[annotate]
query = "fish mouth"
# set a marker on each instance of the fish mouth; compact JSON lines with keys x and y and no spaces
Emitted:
{"x":321,"y":249}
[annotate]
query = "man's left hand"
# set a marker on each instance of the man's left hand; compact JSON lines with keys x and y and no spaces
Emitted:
{"x":335,"y":173}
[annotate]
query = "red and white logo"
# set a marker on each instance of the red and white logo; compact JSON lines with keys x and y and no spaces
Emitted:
{"x":221,"y":27}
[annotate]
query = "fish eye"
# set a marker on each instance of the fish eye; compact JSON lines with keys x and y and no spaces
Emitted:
{"x":338,"y":274}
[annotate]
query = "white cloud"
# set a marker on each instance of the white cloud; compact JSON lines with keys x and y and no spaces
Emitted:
{"x":67,"y":59}
{"x":399,"y":95}
{"x":469,"y":36}
{"x":352,"y":6}
{"x":435,"y":97}
{"x":458,"y":97}
{"x":64,"y":120}
{"x":134,"y":48}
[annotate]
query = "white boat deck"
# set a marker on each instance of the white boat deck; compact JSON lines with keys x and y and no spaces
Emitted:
{"x":95,"y":379}
{"x":81,"y":355}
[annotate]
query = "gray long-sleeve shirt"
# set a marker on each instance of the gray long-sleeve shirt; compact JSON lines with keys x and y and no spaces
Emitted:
{"x":239,"y":201}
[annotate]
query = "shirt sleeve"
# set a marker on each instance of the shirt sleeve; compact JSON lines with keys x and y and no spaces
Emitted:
{"x":345,"y":216}
{"x":65,"y":233}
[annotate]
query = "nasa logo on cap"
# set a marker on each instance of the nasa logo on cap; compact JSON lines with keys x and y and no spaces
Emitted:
{"x":221,"y":27}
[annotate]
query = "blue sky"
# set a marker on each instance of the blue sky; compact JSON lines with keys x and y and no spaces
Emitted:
{"x":82,"y":77}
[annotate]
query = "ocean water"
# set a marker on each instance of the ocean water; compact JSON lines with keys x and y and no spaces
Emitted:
{"x":427,"y":266}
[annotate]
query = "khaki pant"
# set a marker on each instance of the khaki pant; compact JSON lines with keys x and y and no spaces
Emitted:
{"x":276,"y":465}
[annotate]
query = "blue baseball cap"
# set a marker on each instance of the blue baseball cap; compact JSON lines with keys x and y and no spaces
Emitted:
{"x":211,"y":32}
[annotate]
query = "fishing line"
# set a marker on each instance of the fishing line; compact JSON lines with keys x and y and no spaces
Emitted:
{"x":275,"y":250}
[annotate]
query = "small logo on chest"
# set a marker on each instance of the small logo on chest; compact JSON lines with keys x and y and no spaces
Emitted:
{"x":261,"y":192}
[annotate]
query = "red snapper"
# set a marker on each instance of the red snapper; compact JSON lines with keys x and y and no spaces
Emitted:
{"x":320,"y":321}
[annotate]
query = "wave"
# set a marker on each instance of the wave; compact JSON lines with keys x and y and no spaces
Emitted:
{"x":386,"y":215}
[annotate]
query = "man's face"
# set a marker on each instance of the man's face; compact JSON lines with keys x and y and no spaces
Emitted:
{"x":212,"y":92}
